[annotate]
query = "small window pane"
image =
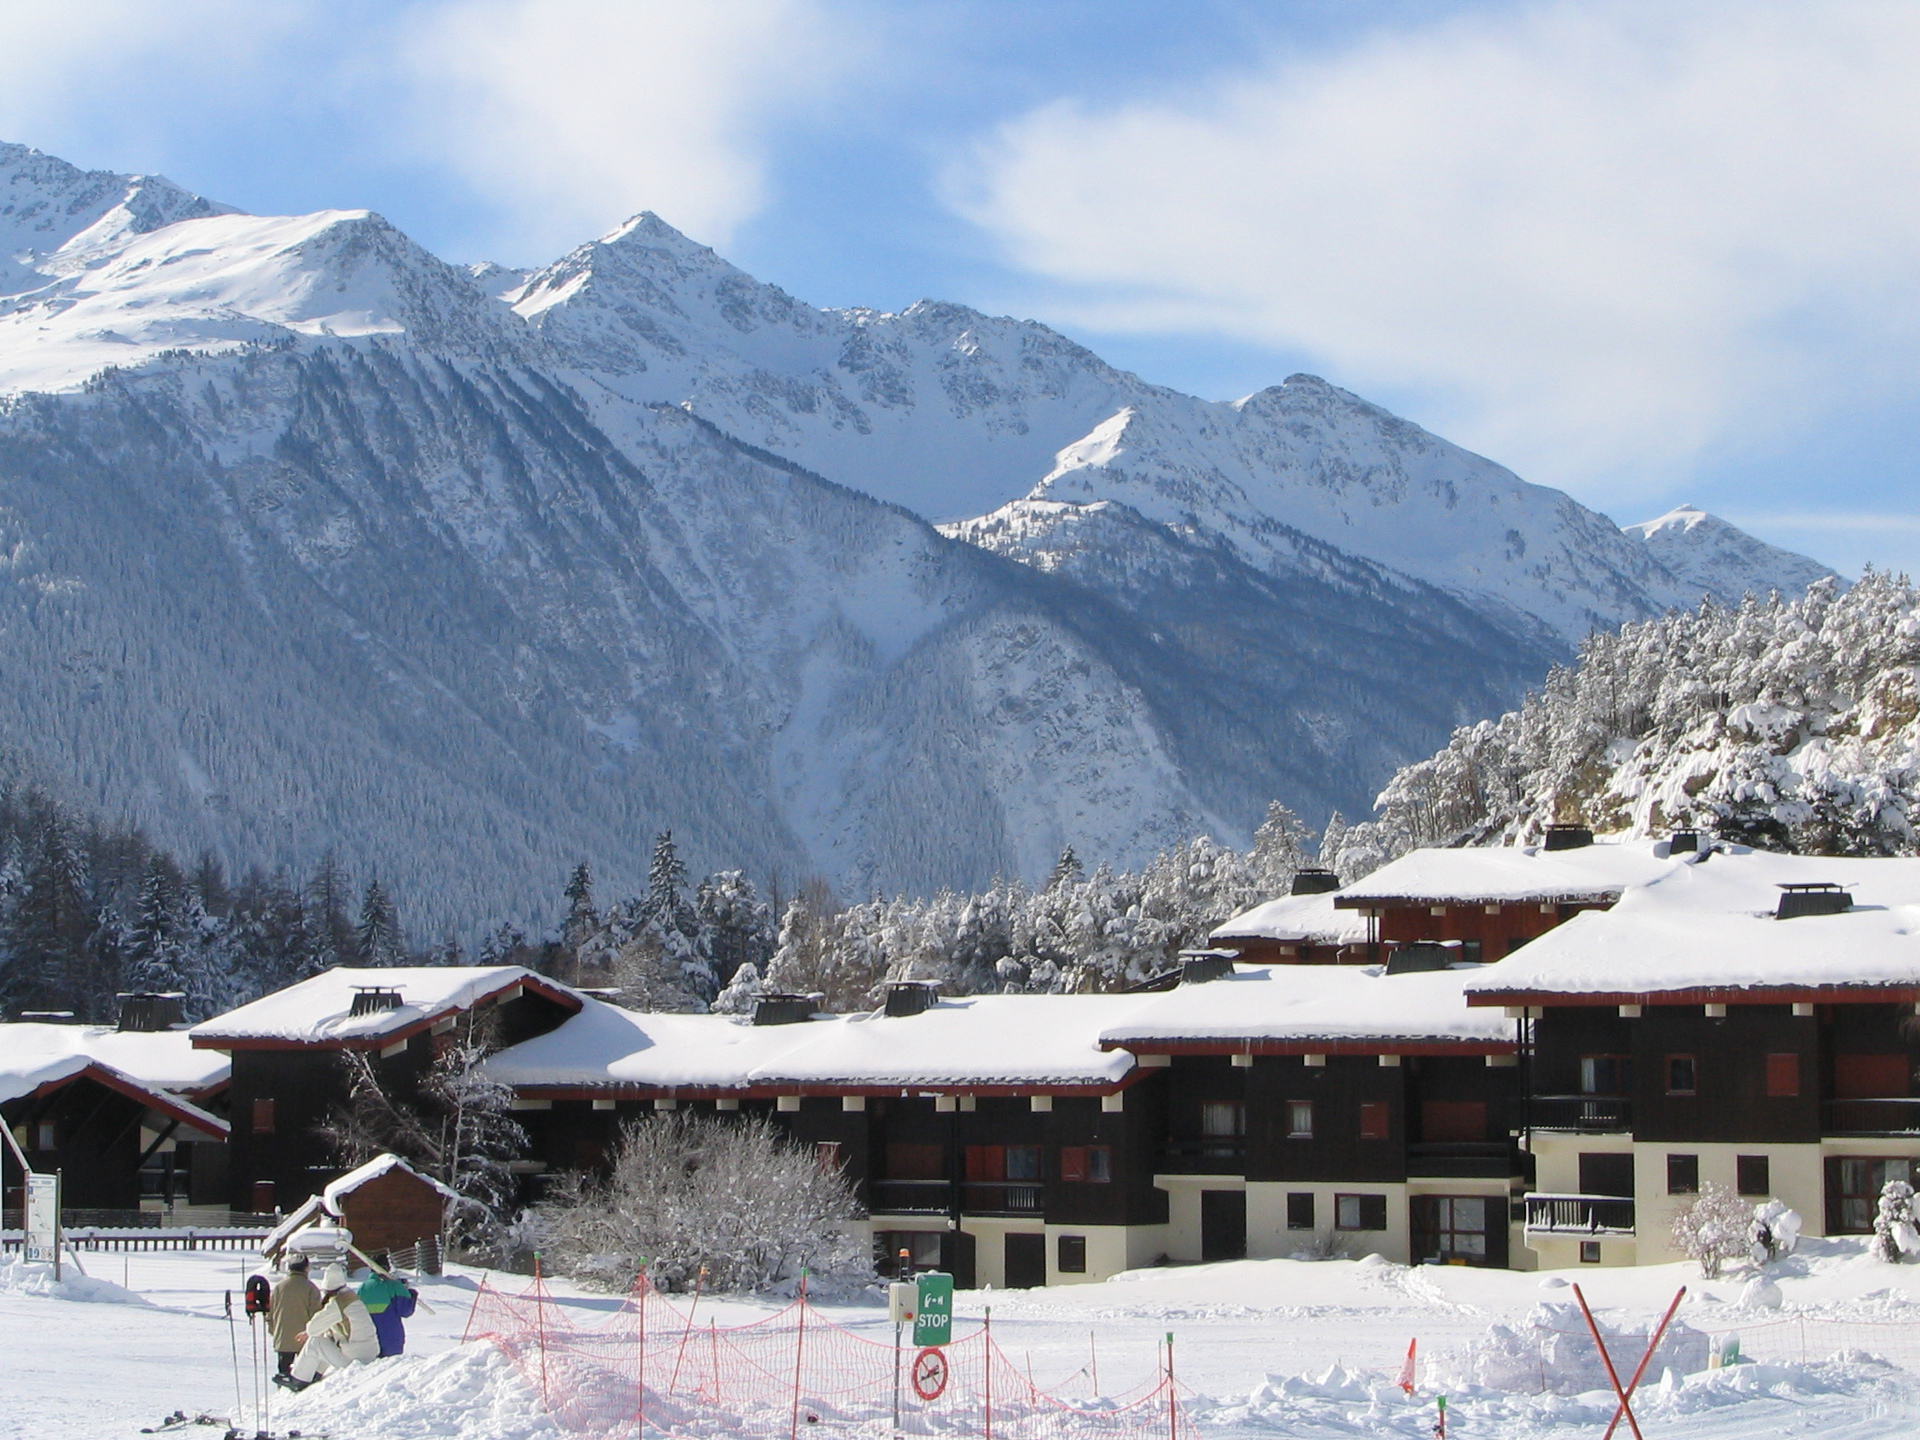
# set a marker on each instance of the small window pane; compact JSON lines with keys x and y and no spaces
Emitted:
{"x":1023,"y":1162}
{"x":1683,"y":1174}
{"x":1223,"y":1117}
{"x":1300,"y":1210}
{"x":1073,"y":1255}
{"x":1681,"y":1076}
{"x":1300,"y":1119}
{"x":1100,"y":1164}
{"x":1753,"y":1174}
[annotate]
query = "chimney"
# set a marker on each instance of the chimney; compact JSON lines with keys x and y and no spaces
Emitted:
{"x":1314,"y":881}
{"x":371,"y":999}
{"x":779,"y":1009}
{"x":1567,"y":837}
{"x":1684,"y":842}
{"x":1199,"y":966}
{"x":1819,"y":898}
{"x":149,"y":1011}
{"x":911,"y":997}
{"x":1417,"y":955}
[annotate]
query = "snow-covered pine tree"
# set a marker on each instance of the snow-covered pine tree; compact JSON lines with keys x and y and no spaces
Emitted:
{"x":377,"y":937}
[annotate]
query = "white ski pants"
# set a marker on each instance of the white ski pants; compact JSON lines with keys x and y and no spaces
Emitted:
{"x":322,"y":1353}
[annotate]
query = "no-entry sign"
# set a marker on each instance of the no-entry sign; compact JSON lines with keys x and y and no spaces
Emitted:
{"x":929,"y":1373}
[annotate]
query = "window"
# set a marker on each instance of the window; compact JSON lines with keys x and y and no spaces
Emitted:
{"x":1682,"y":1075}
{"x":1086,"y":1164}
{"x":1300,"y":1210}
{"x":1451,"y":1227}
{"x":1589,"y":1252}
{"x":263,"y":1117}
{"x":46,"y":1137}
{"x":915,"y":1162}
{"x":1856,"y":1182}
{"x":1299,"y":1119}
{"x":1072,"y":1255}
{"x":1683,"y":1174}
{"x":827,"y":1154}
{"x":902,"y":1252}
{"x":1783,"y":1075}
{"x":1373,"y":1120}
{"x":1605,"y":1074}
{"x":1453,"y":1121}
{"x":1753,"y":1175}
{"x":1223,"y":1118}
{"x":1360,"y":1212}
{"x":1023,"y":1162}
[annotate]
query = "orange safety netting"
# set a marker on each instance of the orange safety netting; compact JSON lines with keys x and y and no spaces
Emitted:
{"x":650,"y":1368}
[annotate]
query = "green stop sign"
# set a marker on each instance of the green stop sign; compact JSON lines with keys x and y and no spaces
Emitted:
{"x":933,"y":1309}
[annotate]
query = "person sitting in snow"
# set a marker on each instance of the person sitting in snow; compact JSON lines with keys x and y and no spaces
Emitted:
{"x":389,"y":1299}
{"x":340,"y":1333}
{"x":294,"y":1300}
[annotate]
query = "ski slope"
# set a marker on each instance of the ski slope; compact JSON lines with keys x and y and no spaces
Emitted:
{"x":1270,"y":1348}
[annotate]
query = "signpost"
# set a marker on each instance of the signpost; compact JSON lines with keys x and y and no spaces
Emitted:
{"x":40,"y":1209}
{"x":933,"y":1310}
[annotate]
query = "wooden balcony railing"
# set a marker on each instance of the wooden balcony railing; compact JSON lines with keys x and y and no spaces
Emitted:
{"x":1579,"y":1214}
{"x":1581,"y":1112}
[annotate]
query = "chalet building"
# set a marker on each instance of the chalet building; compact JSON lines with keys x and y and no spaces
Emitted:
{"x":1303,"y":927}
{"x":385,"y":1204}
{"x":1746,"y":1019}
{"x":127,"y":1114}
{"x":287,"y":1073}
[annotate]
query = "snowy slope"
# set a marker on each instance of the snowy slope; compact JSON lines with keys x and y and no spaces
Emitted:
{"x":1717,"y":559}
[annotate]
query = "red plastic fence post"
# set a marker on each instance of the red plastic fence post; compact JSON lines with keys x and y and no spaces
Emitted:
{"x":1093,"y":1360}
{"x":1607,"y":1360}
{"x":540,"y":1327}
{"x":713,"y":1336}
{"x":1173,"y":1404}
{"x":1645,"y":1360}
{"x":699,"y":1283}
{"x":479,"y":1294}
{"x":799,"y":1345}
{"x":987,"y":1350}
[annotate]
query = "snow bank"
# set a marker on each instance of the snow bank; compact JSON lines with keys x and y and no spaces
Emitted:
{"x":471,"y":1392}
{"x":19,"y":1277}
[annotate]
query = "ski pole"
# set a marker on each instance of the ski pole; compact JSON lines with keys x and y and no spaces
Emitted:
{"x":233,"y":1344}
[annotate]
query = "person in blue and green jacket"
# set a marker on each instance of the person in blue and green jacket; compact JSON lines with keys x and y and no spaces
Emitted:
{"x":389,"y":1299}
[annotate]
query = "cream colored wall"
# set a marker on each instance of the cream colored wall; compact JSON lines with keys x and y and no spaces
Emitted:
{"x":1556,"y":1158}
{"x":1268,"y":1236}
{"x":1110,"y":1249}
{"x":1562,"y":1252}
{"x":1182,"y":1230}
{"x":1794,"y":1173}
{"x":990,"y":1247}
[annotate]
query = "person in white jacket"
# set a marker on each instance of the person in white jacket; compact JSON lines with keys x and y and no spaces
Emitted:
{"x":340,"y":1333}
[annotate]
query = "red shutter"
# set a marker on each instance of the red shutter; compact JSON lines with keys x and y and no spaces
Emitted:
{"x":1373,"y":1120}
{"x":1073,"y":1162}
{"x":1870,"y":1077}
{"x":1783,"y":1074}
{"x":1453,"y":1121}
{"x":986,"y":1162}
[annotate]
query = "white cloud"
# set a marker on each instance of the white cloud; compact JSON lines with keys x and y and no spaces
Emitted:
{"x":574,"y":114}
{"x":1599,"y":237}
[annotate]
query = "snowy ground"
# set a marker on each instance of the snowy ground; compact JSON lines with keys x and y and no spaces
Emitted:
{"x":1273,"y":1348}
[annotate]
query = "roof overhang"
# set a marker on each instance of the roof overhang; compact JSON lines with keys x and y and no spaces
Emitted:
{"x":762,"y":1089}
{"x":1142,"y":1045}
{"x":1708,"y":995}
{"x":192,"y":1116}
{"x":381,"y":1039}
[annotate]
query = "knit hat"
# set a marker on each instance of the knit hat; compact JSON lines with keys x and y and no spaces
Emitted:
{"x":334,"y":1277}
{"x":297,"y":1265}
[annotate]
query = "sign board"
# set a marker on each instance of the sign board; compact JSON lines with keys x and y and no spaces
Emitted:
{"x":930,"y":1374}
{"x":933,"y":1309}
{"x":43,"y":1217}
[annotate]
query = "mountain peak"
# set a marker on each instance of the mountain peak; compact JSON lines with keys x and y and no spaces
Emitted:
{"x":1712,"y":557}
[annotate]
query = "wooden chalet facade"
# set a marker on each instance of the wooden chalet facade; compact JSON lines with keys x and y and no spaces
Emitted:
{"x":287,"y":1048}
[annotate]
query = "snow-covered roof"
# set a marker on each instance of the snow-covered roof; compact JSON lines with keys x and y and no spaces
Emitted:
{"x":1514,"y":874}
{"x":162,"y":1060}
{"x":318,"y":1011}
{"x":1304,"y":919}
{"x":1299,"y":1006}
{"x":1711,"y":927}
{"x":979,"y":1041}
{"x":330,"y":1203}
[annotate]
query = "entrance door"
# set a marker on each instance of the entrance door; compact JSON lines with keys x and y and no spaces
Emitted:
{"x":1223,"y":1224}
{"x":1026,"y":1261}
{"x":1459,"y":1229}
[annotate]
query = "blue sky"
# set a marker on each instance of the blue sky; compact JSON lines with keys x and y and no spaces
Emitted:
{"x":1650,"y":253}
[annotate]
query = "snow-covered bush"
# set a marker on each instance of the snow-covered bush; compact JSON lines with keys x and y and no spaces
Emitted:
{"x":732,"y":1196}
{"x":1895,"y":1235}
{"x":1713,"y":1228}
{"x":1774,"y":1231}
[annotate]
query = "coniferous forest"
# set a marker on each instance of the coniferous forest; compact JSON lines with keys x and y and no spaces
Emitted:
{"x":1784,"y":724}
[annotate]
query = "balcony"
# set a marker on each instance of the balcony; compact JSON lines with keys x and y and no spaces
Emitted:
{"x":1894,"y":1115}
{"x":998,"y":1197}
{"x":909,"y":1197}
{"x":1462,"y":1159}
{"x":1581,"y":1112}
{"x":1579,"y":1214}
{"x":1204,"y":1155}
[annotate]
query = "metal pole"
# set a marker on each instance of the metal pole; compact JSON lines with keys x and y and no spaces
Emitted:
{"x":1173,"y":1405}
{"x":896,"y":1379}
{"x":1607,"y":1360}
{"x":1646,"y":1359}
{"x":799,"y":1350}
{"x":987,"y":1350}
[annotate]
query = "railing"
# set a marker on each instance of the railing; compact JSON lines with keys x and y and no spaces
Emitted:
{"x":995,"y":1197}
{"x":1204,"y":1155}
{"x":95,"y":1237}
{"x":1893,"y":1115}
{"x":1581,"y":1112}
{"x":1462,"y":1159}
{"x":1579,"y":1214}
{"x":909,"y":1197}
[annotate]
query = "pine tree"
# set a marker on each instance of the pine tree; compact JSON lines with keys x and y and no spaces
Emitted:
{"x":377,"y":938}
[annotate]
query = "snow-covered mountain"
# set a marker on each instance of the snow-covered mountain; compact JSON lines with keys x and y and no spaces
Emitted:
{"x":1716,"y":559}
{"x":312,"y":539}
